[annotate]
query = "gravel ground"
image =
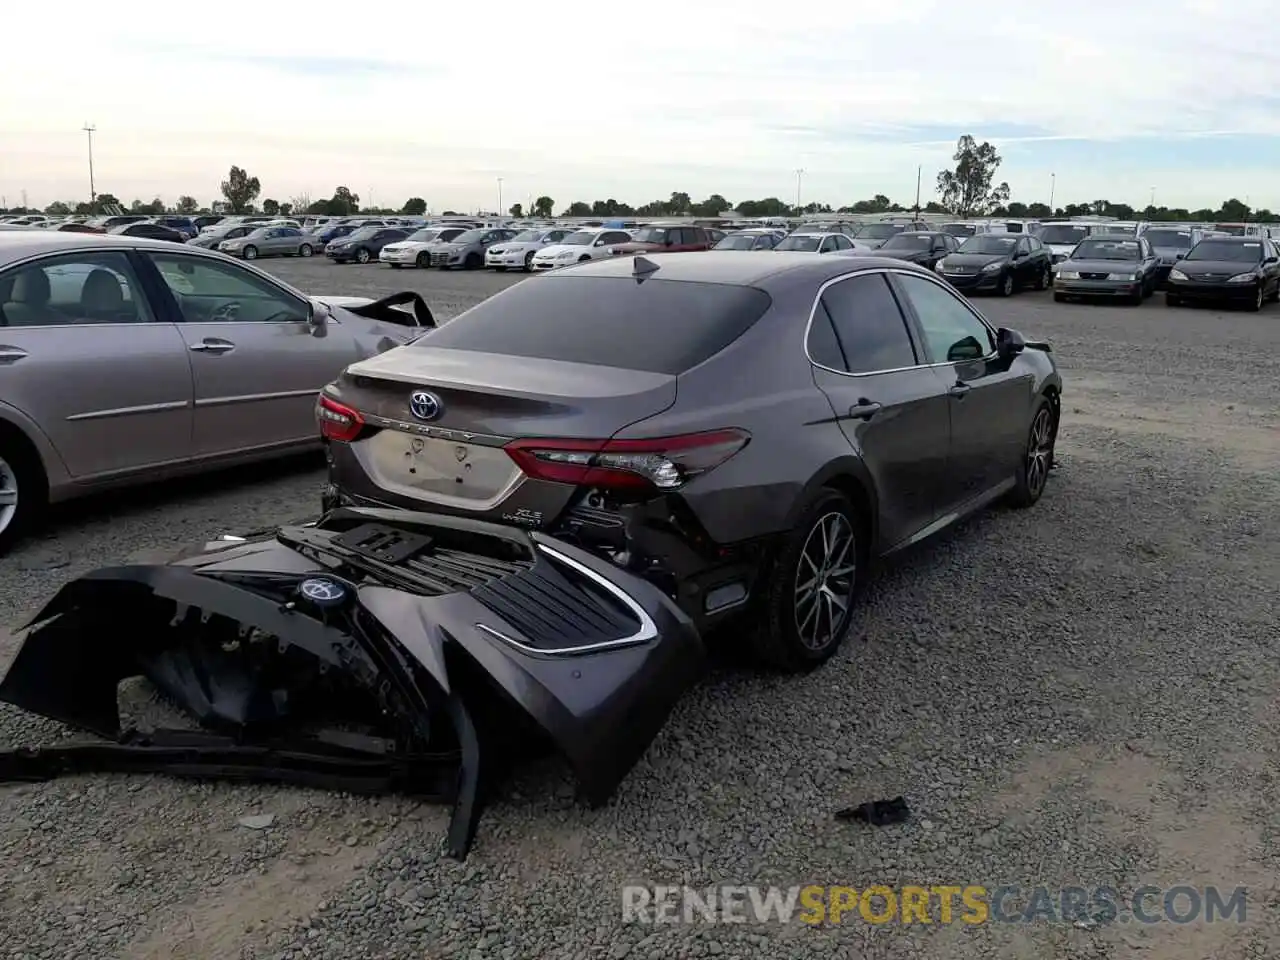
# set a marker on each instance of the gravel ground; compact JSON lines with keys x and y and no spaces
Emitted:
{"x":1085,"y":693}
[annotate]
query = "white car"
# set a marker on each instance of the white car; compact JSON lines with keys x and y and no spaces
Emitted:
{"x":415,"y":249}
{"x":518,"y":252}
{"x":590,"y":244}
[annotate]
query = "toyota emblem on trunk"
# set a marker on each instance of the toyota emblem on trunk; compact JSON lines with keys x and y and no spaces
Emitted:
{"x":425,"y":405}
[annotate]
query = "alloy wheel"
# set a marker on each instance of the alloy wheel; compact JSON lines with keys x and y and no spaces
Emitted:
{"x":8,"y":495}
{"x":1006,"y":286}
{"x":362,"y":255}
{"x":1258,"y":298}
{"x":1040,"y":451}
{"x":825,"y":577}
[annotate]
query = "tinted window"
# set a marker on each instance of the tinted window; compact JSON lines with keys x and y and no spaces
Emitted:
{"x":869,"y":331}
{"x":1178,"y":239}
{"x":657,"y":326}
{"x":988,"y":244}
{"x":951,"y":330}
{"x":76,"y":289}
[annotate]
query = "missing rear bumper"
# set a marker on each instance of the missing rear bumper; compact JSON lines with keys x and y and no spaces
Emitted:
{"x":374,"y":651}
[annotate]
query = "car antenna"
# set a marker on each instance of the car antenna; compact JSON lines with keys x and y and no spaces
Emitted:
{"x":642,"y":267}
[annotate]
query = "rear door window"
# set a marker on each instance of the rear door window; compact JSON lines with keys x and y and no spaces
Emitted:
{"x":870,"y":332}
{"x":656,"y":326}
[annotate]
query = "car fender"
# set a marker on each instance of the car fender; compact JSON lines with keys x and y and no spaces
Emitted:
{"x":55,"y":470}
{"x":848,"y":475}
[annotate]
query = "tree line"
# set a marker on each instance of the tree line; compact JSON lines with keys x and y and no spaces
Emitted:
{"x":967,"y":190}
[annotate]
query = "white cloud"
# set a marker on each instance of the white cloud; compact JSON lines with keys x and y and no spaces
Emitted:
{"x":631,"y":100}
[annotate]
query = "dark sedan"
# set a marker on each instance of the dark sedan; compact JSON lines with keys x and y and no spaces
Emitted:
{"x":363,"y":245}
{"x":148,"y":231}
{"x":748,"y":430}
{"x":998,"y":263}
{"x":1243,"y":270}
{"x":925,"y":248}
{"x":1104,"y":266}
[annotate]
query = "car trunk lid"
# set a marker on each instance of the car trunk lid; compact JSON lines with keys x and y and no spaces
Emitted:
{"x":448,"y":448}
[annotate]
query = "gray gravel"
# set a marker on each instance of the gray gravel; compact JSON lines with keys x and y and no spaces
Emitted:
{"x":1080,"y":694}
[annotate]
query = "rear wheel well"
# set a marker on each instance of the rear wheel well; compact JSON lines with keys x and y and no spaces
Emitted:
{"x":1051,"y":394}
{"x":12,"y":438}
{"x":856,"y":493}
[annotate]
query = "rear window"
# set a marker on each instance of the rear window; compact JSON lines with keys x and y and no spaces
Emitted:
{"x":658,"y":326}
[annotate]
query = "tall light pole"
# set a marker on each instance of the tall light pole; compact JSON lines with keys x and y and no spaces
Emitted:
{"x":89,"y":129}
{"x":499,"y":196}
{"x":1053,"y":184}
{"x":799,"y":180}
{"x":1153,"y":198}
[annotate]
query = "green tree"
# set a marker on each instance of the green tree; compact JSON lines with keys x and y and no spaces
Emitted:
{"x":286,"y":209}
{"x":271,"y":207}
{"x":713,"y":206}
{"x":543,"y":206}
{"x":414,"y":207}
{"x":343,"y":202}
{"x":517,"y":210}
{"x":240,"y":189}
{"x":187,"y":205}
{"x":57,"y":209}
{"x":578,"y":209}
{"x":1234,"y":211}
{"x":968,"y":188}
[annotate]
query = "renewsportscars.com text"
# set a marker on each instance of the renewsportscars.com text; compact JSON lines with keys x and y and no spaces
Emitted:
{"x":938,"y":903}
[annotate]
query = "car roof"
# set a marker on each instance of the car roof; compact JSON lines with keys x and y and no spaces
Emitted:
{"x":743,"y":268}
{"x":22,"y":244}
{"x":1231,"y":239}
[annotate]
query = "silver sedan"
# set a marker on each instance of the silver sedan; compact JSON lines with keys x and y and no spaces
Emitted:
{"x":124,"y":359}
{"x":270,"y":242}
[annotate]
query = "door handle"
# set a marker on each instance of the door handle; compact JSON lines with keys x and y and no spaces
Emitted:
{"x":959,"y":390}
{"x":212,"y":346}
{"x":11,"y":355}
{"x":864,"y":409}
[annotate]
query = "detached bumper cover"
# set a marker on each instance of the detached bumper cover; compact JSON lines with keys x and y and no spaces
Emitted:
{"x":374,"y":650}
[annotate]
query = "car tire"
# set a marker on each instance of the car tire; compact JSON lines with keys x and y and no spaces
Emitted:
{"x":363,"y":255}
{"x":528,"y":265}
{"x":22,"y":476}
{"x":1059,"y":297}
{"x":1172,"y":300}
{"x":394,"y":266}
{"x":1259,"y":298}
{"x":305,"y":250}
{"x":500,"y":269}
{"x":473,"y":262}
{"x":1045,"y":279}
{"x":250,"y":252}
{"x":1037,"y":460}
{"x":1135,"y":299}
{"x":786,"y":639}
{"x":1006,"y":285}
{"x":422,"y":261}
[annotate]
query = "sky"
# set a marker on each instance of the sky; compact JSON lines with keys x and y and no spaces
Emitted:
{"x":585,"y":100}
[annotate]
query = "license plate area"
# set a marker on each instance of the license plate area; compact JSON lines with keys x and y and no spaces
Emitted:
{"x":468,"y":475}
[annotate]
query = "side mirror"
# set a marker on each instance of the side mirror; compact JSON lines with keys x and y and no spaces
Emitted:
{"x":1178,"y":256}
{"x":1009,"y":343}
{"x":317,"y":319}
{"x":1021,"y":255}
{"x":1271,"y":260}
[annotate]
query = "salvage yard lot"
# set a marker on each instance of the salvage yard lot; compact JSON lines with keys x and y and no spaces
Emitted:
{"x":1085,"y":694}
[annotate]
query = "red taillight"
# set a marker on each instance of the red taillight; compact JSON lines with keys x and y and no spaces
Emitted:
{"x":337,"y":420}
{"x":665,"y":463}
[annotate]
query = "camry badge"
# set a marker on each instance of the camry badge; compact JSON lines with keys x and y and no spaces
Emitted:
{"x":425,"y":405}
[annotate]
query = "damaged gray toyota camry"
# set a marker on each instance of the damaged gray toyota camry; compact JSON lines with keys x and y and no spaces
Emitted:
{"x":537,"y":511}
